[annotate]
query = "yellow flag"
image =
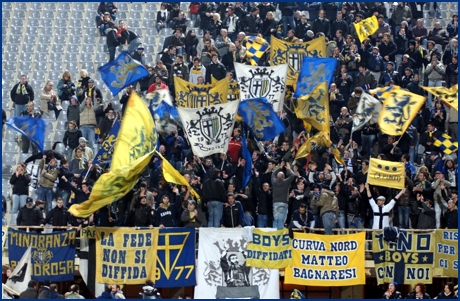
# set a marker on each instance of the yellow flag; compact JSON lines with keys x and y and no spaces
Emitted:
{"x":448,"y":95}
{"x":283,"y":52}
{"x":134,"y":149}
{"x":399,"y":109}
{"x":320,"y":139}
{"x":366,"y":27}
{"x":233,"y":92}
{"x":171,"y":175}
{"x":386,"y":173}
{"x":446,"y":144}
{"x":314,"y":108}
{"x":269,"y":249}
{"x":189,"y":95}
{"x":337,"y":157}
{"x":446,"y":253}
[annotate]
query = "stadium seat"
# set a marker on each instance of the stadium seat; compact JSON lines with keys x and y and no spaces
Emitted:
{"x":64,"y":105}
{"x":64,"y":6}
{"x":137,"y":7}
{"x":7,"y":6}
{"x":40,"y":66}
{"x":9,"y":65}
{"x":10,"y":56}
{"x":61,"y":125}
{"x":31,"y":36}
{"x":454,"y":7}
{"x":442,"y":6}
{"x":10,"y":135}
{"x":10,"y":147}
{"x":77,"y":15}
{"x":50,"y":6}
{"x":46,"y":23}
{"x":49,"y":14}
{"x":123,"y":6}
{"x":62,"y":23}
{"x":36,"y":6}
{"x":33,"y":23}
{"x":78,"y":6}
{"x":19,"y":14}
{"x":7,"y":170}
{"x":92,"y":7}
{"x":15,"y":39}
{"x":60,"y":146}
{"x":427,"y":23}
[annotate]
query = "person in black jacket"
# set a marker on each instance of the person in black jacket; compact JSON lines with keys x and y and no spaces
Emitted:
{"x":287,"y":15}
{"x":166,"y":213}
{"x":31,"y":291}
{"x":58,"y":216}
{"x":251,"y":23}
{"x":20,"y":181}
{"x":78,"y":196}
{"x":214,"y":197}
{"x":264,"y":202}
{"x":426,"y":214}
{"x":233,"y":214}
{"x":448,"y":292}
{"x":21,"y":94}
{"x":71,"y":138}
{"x":392,"y":293}
{"x":216,"y":69}
{"x":29,"y":215}
{"x":451,"y":215}
{"x":419,"y":292}
{"x":302,"y":28}
{"x":112,"y":42}
{"x":321,"y":24}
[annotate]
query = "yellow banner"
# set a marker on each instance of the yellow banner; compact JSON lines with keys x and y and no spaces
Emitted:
{"x":446,"y":253}
{"x":269,"y":250}
{"x":320,"y":139}
{"x":194,"y":96}
{"x":314,"y":108}
{"x":282,"y":52}
{"x":366,"y":27}
{"x":327,"y":260}
{"x":398,"y":110}
{"x":448,"y":95}
{"x":126,"y":256}
{"x":386,"y":173}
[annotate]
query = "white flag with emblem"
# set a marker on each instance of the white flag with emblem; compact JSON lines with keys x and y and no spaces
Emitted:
{"x":209,"y":128}
{"x":221,"y":268}
{"x":368,"y":110}
{"x":259,"y":81}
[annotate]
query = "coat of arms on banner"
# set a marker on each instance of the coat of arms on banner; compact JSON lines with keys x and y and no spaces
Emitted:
{"x":263,"y":83}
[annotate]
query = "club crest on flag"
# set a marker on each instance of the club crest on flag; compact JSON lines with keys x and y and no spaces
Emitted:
{"x":211,"y":124}
{"x":314,"y":71}
{"x":233,"y":91}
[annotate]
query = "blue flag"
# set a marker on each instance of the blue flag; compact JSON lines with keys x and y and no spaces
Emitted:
{"x":315,"y":71}
{"x":260,"y":118}
{"x":104,"y":155}
{"x":176,"y":258}
{"x":33,"y":128}
{"x":122,"y":72}
{"x":247,"y":156}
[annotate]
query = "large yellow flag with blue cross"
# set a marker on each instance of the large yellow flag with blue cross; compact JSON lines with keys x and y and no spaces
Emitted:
{"x":134,"y":149}
{"x":386,"y":173}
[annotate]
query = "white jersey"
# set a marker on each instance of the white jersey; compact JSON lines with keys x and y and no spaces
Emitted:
{"x":381,"y":214}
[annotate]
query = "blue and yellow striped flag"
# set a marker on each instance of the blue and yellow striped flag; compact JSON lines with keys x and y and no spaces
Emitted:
{"x":134,"y":149}
{"x":255,"y":48}
{"x":446,"y":144}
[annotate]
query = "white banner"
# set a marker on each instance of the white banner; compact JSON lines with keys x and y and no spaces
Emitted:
{"x":222,"y":272}
{"x":258,"y":81}
{"x":368,"y":110}
{"x":209,"y":128}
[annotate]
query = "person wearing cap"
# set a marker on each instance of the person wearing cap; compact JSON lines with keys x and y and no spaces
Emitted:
{"x":391,"y":292}
{"x":104,"y":23}
{"x":87,"y":152}
{"x":383,"y":28}
{"x":380,"y":210}
{"x":302,"y":218}
{"x":29,"y":215}
{"x":193,"y":217}
{"x":143,"y":191}
{"x":49,"y":174}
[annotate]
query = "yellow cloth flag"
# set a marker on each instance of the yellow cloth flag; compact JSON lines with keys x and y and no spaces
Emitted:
{"x":366,"y":27}
{"x":189,"y":95}
{"x":283,"y":52}
{"x":327,"y":260}
{"x":399,"y":109}
{"x":386,"y":173}
{"x":135,"y":146}
{"x":125,"y":255}
{"x":320,"y":139}
{"x":314,"y":108}
{"x":233,"y":92}
{"x":337,"y":157}
{"x":171,"y":175}
{"x":446,"y":144}
{"x":269,"y":249}
{"x":448,"y":95}
{"x":446,"y":253}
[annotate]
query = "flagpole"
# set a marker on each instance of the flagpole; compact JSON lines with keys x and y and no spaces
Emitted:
{"x":398,"y":141}
{"x":87,"y":173}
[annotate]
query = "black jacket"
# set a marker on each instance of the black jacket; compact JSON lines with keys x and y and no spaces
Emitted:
{"x":214,"y":190}
{"x":19,"y":98}
{"x":321,"y":26}
{"x":426,"y":216}
{"x":451,"y":219}
{"x":217,"y":70}
{"x":71,"y":138}
{"x":29,"y":293}
{"x":264,"y":199}
{"x":29,"y":217}
{"x":20,"y":184}
{"x":58,"y":217}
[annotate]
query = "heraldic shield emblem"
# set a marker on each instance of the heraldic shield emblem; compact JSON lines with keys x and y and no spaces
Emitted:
{"x":210,"y":126}
{"x":260,"y":86}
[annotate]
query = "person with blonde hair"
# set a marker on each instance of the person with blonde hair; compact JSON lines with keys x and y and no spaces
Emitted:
{"x":66,"y":88}
{"x":48,"y":100}
{"x":82,"y":85}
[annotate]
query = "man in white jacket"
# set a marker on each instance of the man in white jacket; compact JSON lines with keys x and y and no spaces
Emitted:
{"x":380,"y":210}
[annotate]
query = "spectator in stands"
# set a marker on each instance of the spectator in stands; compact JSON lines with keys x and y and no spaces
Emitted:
{"x":71,"y":137}
{"x":168,"y":58}
{"x":74,"y":293}
{"x":401,"y":13}
{"x":196,"y":71}
{"x":117,"y":293}
{"x":82,"y":85}
{"x":48,"y":175}
{"x":392,"y":293}
{"x":106,"y":7}
{"x":20,"y":181}
{"x":105,"y":23}
{"x":112,"y":42}
{"x":66,"y":88}
{"x":420,"y":33}
{"x":53,"y":293}
{"x":451,"y":216}
{"x":375,"y":63}
{"x":419,"y":291}
{"x":215,"y":69}
{"x":280,"y":189}
{"x":63,"y":190}
{"x":214,"y":197}
{"x":322,"y":24}
{"x":79,"y":163}
{"x":173,"y":15}
{"x":287,"y":16}
{"x":157,"y":85}
{"x":191,"y":43}
{"x":48,"y":100}
{"x":86,"y":150}
{"x":29,"y":215}
{"x":439,"y":35}
{"x":58,"y":216}
{"x":193,"y":217}
{"x":435,"y":71}
{"x":180,"y":22}
{"x":78,"y":196}
{"x":161,"y":70}
{"x":340,"y":24}
{"x":178,"y":68}
{"x":31,"y":291}
{"x":301,"y":218}
{"x":450,"y":51}
{"x":202,"y":44}
{"x":143,"y":191}
{"x":441,"y":190}
{"x":233,"y":213}
{"x":365,"y":78}
{"x":44,"y":290}
{"x":452,"y":27}
{"x":21,"y":94}
{"x":162,"y":17}
{"x":88,"y":119}
{"x":165,"y":214}
{"x":380,"y":210}
{"x":73,"y":110}
{"x":131,"y":38}
{"x":222,"y":43}
{"x":383,"y":28}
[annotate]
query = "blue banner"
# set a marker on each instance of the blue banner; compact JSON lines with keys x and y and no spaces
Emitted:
{"x":53,"y":254}
{"x":33,"y":128}
{"x":315,"y":71}
{"x":176,"y":258}
{"x":104,"y":155}
{"x":247,"y":156}
{"x":122,"y":72}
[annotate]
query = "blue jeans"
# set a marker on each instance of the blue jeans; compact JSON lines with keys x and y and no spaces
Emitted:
{"x":46,"y":194}
{"x":103,"y":28}
{"x":133,"y":45}
{"x":328,"y":221}
{"x":215,"y":210}
{"x":403,"y":216}
{"x":262,"y":221}
{"x":18,"y":109}
{"x":65,"y":195}
{"x":431,"y":83}
{"x":19,"y":201}
{"x":354,"y":222}
{"x":368,"y":142}
{"x":341,"y":220}
{"x":112,"y":16}
{"x":287,"y":20}
{"x":160,"y":26}
{"x":88,"y":132}
{"x":280,"y":211}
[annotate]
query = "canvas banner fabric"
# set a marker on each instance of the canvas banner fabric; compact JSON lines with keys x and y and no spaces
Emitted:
{"x":446,"y":254}
{"x":269,"y":249}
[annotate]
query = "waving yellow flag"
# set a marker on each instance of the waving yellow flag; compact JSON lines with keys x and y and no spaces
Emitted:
{"x":189,"y":95}
{"x":320,"y":139}
{"x":448,"y":95}
{"x":134,"y":149}
{"x":314,"y":108}
{"x":366,"y":27}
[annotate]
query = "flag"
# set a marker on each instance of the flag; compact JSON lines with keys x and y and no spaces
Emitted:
{"x":122,"y":72}
{"x":104,"y":155}
{"x":171,"y":175}
{"x":176,"y":258}
{"x":33,"y":128}
{"x":314,"y":72}
{"x":399,"y":109}
{"x":189,"y":95}
{"x":382,"y":92}
{"x":386,"y":173}
{"x":448,"y":95}
{"x":366,"y":27}
{"x":338,"y":157}
{"x":233,"y":91}
{"x":88,"y":260}
{"x":270,"y":248}
{"x":259,"y":117}
{"x":320,"y":139}
{"x":209,"y":128}
{"x":293,"y":54}
{"x":446,"y":262}
{"x":166,"y":118}
{"x":215,"y":277}
{"x":368,"y":110}
{"x":156,"y":97}
{"x":267,"y":82}
{"x":446,"y":144}
{"x":247,"y":156}
{"x":255,"y":48}
{"x":134,"y":148}
{"x":21,"y":274}
{"x":314,"y":108}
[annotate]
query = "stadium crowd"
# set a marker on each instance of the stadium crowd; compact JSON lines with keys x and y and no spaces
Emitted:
{"x":283,"y":192}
